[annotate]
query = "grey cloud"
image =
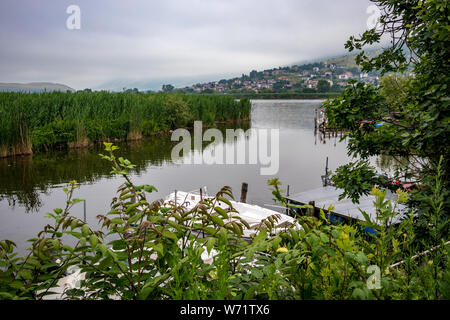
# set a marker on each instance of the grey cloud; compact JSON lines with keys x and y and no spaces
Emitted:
{"x":142,"y":41}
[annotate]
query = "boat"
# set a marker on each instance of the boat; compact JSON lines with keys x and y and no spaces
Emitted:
{"x":253,"y":214}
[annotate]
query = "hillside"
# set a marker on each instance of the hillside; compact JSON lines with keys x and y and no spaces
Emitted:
{"x":348,"y":61}
{"x":34,"y":87}
{"x":330,"y":75}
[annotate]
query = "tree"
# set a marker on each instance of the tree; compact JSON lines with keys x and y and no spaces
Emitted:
{"x":167,"y":88}
{"x":412,"y":114}
{"x":178,"y":114}
{"x":323,"y":86}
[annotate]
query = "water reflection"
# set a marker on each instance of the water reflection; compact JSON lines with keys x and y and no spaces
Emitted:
{"x":34,"y":183}
{"x":24,"y":179}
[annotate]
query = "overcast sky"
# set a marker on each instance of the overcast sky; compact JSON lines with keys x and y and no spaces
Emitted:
{"x":145,"y":43}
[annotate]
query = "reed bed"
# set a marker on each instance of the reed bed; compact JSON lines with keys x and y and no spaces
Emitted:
{"x":49,"y":120}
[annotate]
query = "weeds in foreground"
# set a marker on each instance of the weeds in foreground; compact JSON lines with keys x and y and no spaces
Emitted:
{"x":155,"y":251}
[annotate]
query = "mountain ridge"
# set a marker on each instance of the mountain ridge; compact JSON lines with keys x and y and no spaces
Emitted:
{"x":34,"y":87}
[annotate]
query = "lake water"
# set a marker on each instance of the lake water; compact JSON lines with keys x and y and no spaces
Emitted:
{"x":31,"y":186}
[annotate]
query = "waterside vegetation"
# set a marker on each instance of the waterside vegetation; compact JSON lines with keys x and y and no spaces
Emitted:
{"x":155,"y":251}
{"x":42,"y":121}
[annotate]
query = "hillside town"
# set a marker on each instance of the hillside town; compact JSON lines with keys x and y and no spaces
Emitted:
{"x":313,"y":77}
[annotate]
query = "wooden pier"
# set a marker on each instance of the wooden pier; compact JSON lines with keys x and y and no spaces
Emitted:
{"x":321,"y":124}
{"x":343,"y":210}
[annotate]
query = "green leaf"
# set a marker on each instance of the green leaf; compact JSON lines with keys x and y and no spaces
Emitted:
{"x":217,"y":220}
{"x":225,"y":200}
{"x":56,"y":244}
{"x":361,"y":258}
{"x":103,"y":249}
{"x":131,"y":208}
{"x":93,"y":240}
{"x":150,"y":189}
{"x":261,"y":236}
{"x":222,"y":212}
{"x":210,"y":244}
{"x":135,"y":218}
{"x":151,"y":285}
{"x":159,"y":248}
{"x":257,"y":273}
{"x":117,"y":221}
{"x":170,"y":235}
{"x":85,"y":230}
{"x":25,"y":274}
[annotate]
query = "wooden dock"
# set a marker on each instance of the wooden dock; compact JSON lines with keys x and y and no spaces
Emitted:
{"x":344,"y":210}
{"x":321,"y":124}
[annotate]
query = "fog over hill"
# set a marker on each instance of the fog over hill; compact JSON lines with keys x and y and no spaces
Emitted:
{"x":34,"y":87}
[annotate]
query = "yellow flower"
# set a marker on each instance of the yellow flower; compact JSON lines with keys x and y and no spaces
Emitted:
{"x":282,"y":249}
{"x":430,"y":262}
{"x":374,"y":191}
{"x":213,"y":274}
{"x":344,"y":235}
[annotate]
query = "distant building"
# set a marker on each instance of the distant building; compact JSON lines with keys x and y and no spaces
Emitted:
{"x":312,"y":84}
{"x":276,"y":72}
{"x":345,"y":76}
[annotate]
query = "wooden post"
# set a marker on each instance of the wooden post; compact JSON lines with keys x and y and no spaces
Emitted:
{"x":326,"y":173}
{"x":315,"y":119}
{"x":84,"y":211}
{"x":201,"y":194}
{"x":244,"y":190}
{"x":311,"y":211}
{"x":287,"y":201}
{"x":84,"y":216}
{"x":175,"y":198}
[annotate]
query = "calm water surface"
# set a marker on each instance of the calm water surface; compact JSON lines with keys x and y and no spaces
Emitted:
{"x":31,"y":186}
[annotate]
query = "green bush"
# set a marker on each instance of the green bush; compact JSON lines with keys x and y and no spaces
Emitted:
{"x":154,"y":252}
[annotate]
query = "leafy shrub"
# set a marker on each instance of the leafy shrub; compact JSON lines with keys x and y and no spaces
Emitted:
{"x":153,"y":251}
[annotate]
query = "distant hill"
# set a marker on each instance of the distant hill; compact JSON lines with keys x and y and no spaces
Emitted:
{"x":331,"y":74}
{"x":34,"y":87}
{"x":348,"y":61}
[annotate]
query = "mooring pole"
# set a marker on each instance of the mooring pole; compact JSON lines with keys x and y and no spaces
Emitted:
{"x":326,"y":173}
{"x":84,"y":217}
{"x":287,"y":201}
{"x":315,"y":119}
{"x":84,"y":210}
{"x":244,"y":190}
{"x":311,"y":210}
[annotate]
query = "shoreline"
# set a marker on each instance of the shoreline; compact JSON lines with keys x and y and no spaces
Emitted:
{"x":86,"y":143}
